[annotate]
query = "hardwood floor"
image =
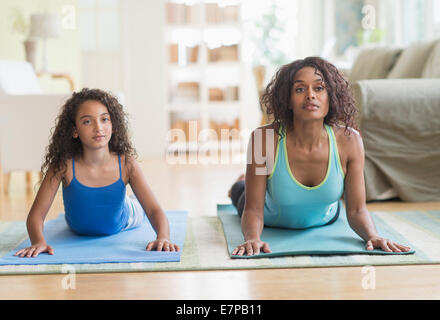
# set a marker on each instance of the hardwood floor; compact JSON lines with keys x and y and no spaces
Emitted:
{"x":198,"y":188}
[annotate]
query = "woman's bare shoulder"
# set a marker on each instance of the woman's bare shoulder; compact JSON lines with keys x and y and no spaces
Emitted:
{"x":346,"y":135}
{"x":349,"y":140}
{"x":266,"y":131}
{"x":266,"y":127}
{"x":264,"y":141}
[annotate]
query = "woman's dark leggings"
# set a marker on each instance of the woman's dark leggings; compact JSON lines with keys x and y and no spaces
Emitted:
{"x":238,"y":199}
{"x":237,"y":196}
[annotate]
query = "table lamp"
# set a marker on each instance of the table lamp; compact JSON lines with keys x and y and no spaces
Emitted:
{"x":45,"y":25}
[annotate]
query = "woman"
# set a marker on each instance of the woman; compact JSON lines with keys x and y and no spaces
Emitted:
{"x":300,"y":165}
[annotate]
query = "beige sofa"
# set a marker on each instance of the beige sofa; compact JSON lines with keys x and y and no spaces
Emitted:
{"x":397,"y":91}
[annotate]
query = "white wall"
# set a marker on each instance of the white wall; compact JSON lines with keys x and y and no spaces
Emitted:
{"x":309,"y":38}
{"x":144,"y":74}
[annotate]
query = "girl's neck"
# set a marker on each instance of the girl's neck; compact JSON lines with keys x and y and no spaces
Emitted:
{"x":308,"y":134}
{"x":96,"y":158}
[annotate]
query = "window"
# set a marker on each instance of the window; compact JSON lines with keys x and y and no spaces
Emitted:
{"x":102,"y":55}
{"x":411,"y":26}
{"x":436,"y":17}
{"x":99,"y":25}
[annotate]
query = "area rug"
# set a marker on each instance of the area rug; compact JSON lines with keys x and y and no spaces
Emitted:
{"x":205,"y":248}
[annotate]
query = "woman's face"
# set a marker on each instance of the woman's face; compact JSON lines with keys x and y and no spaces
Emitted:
{"x":309,"y":97}
{"x":93,"y":124}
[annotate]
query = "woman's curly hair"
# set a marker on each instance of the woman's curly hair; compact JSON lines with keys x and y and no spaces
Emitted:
{"x":276,"y":98}
{"x":63,"y":146}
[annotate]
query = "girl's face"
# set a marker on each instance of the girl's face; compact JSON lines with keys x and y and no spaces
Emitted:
{"x":93,"y":125}
{"x":309,"y":97}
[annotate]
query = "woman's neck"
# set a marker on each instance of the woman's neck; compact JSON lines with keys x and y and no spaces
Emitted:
{"x":308,"y":135}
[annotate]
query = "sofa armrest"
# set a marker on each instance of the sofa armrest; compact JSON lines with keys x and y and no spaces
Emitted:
{"x":404,"y":100}
{"x":400,"y":126}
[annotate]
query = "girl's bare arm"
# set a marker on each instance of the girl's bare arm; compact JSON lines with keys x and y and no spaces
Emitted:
{"x":37,"y":215}
{"x":151,"y":206}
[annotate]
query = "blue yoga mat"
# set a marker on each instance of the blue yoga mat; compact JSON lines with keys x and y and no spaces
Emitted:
{"x":126,"y":246}
{"x":337,"y":238}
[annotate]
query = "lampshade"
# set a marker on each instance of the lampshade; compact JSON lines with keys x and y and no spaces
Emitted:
{"x":45,"y":25}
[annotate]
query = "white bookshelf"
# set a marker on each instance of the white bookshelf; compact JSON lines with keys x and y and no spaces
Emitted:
{"x":204,"y":68}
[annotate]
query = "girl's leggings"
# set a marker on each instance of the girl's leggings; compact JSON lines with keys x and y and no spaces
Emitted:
{"x":136,"y":214}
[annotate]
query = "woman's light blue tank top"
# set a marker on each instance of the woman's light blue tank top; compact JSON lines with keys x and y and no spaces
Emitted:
{"x":96,"y":211}
{"x":290,"y":204}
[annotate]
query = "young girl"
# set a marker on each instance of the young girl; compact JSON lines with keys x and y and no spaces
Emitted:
{"x":313,"y":156}
{"x":91,"y":155}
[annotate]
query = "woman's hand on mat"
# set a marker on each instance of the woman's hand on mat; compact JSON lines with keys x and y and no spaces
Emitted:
{"x":251,"y":247}
{"x":34,"y":250}
{"x":162,"y":245}
{"x":385,"y":245}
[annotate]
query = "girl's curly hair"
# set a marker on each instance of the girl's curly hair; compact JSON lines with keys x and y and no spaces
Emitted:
{"x":276,"y":98}
{"x":63,"y":146}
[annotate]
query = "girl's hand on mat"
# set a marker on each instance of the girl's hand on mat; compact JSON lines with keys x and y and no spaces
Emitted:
{"x":34,"y":250}
{"x":162,"y":245}
{"x":251,"y":247}
{"x":385,"y":245}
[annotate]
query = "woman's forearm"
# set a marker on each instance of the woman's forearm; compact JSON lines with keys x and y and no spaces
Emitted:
{"x":362,"y":223}
{"x":251,"y":225}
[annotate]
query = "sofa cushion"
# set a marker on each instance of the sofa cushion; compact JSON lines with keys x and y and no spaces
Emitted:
{"x":432,"y":66}
{"x":374,"y":63}
{"x":412,"y":61}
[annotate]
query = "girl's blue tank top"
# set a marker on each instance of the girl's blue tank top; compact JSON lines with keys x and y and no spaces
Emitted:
{"x":290,"y":204}
{"x":96,"y":211}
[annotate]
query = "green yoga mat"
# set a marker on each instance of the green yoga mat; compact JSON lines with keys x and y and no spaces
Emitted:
{"x":337,"y":238}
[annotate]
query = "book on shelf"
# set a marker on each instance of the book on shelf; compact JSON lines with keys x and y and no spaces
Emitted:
{"x":173,"y":50}
{"x":223,"y":53}
{"x":190,"y":54}
{"x":223,"y":128}
{"x":186,"y":92}
{"x":190,"y":129}
{"x":216,"y":14}
{"x":180,"y":13}
{"x":223,"y":94}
